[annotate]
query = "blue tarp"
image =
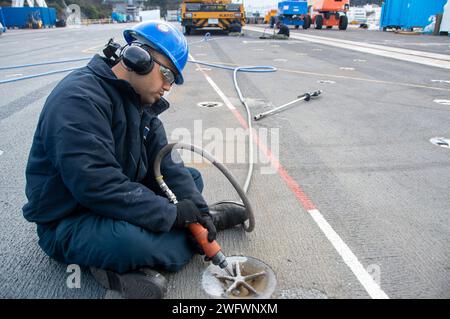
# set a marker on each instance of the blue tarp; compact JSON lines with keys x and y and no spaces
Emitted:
{"x":407,"y":14}
{"x":19,"y":17}
{"x":119,"y":17}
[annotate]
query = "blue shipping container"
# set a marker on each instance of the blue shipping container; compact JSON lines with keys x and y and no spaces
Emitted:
{"x":19,"y":17}
{"x":2,"y":20}
{"x":407,"y":14}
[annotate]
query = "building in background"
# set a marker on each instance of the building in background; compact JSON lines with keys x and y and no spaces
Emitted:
{"x":130,"y":8}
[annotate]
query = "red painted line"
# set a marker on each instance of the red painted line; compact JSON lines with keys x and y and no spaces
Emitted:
{"x":290,"y":182}
{"x":239,"y":118}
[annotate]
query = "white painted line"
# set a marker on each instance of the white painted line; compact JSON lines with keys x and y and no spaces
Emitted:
{"x":326,"y":82}
{"x":220,"y":93}
{"x":275,"y":46}
{"x":280,"y":60}
{"x":13,"y":75}
{"x":420,"y":57}
{"x":317,"y":49}
{"x":200,"y":54}
{"x":1,"y":152}
{"x":270,"y":41}
{"x":203,"y":69}
{"x":441,"y":81}
{"x":349,"y":257}
{"x":343,"y":250}
{"x":216,"y":88}
{"x":423,"y":44}
{"x":382,"y":47}
{"x":359,"y":60}
{"x":347,"y":69}
{"x":443,"y":102}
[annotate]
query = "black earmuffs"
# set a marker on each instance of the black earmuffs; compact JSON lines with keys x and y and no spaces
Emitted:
{"x":137,"y":59}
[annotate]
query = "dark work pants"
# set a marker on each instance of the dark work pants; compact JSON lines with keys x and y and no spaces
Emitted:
{"x":93,"y":240}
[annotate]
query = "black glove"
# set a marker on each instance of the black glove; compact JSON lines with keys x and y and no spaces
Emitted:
{"x":188,"y":213}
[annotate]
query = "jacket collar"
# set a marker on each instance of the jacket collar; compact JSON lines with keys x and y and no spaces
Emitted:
{"x":158,"y":107}
{"x":102,"y":68}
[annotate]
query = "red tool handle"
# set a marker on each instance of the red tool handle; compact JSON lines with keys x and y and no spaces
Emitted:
{"x":201,"y":235}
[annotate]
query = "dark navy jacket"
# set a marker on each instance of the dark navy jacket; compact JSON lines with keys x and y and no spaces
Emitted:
{"x":93,"y":151}
{"x":284,"y":30}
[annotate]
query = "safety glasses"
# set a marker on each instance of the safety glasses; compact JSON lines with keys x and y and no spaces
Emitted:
{"x":167,"y":74}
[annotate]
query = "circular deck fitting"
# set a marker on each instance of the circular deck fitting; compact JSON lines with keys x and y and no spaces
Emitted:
{"x":441,"y":141}
{"x":210,"y":104}
{"x":248,"y":278}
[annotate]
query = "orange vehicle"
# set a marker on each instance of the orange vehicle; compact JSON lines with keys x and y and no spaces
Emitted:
{"x":331,"y":13}
{"x":270,"y":15}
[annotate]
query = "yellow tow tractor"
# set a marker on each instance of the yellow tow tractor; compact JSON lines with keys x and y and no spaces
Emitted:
{"x":211,"y":14}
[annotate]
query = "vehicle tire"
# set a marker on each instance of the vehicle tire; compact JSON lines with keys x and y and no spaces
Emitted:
{"x":329,"y":27}
{"x":307,"y":22}
{"x":319,"y":22}
{"x":297,"y":26}
{"x":343,"y":23}
{"x":187,"y":30}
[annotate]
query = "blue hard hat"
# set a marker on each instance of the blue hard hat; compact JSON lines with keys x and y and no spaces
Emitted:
{"x":164,"y":38}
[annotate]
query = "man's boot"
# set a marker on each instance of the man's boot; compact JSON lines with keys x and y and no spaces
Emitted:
{"x":227,"y":214}
{"x":143,"y":283}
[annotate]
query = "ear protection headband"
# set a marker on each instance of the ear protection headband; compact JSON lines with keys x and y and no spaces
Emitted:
{"x":137,"y":59}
